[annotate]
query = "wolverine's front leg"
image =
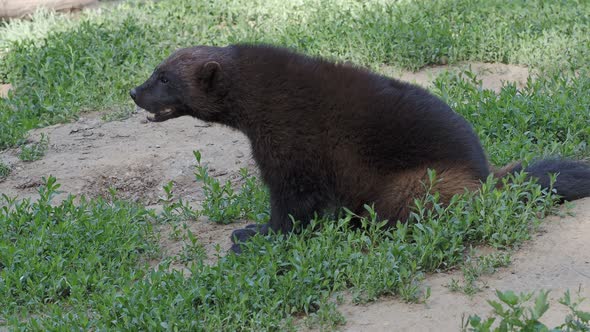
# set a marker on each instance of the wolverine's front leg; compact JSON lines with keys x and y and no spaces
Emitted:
{"x":286,"y":206}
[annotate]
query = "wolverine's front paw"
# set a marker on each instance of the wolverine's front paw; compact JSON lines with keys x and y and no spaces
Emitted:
{"x":242,"y":235}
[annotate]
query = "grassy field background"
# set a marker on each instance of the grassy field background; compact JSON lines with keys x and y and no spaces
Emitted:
{"x":83,"y":264}
{"x":62,"y":66}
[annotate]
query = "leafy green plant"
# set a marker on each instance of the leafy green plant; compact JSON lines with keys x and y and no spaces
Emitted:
{"x":179,"y":213}
{"x":192,"y":250}
{"x":67,"y":253}
{"x":513,"y":315}
{"x":174,"y":209}
{"x":576,"y":320}
{"x":224,"y":205}
{"x":91,"y":251}
{"x":327,"y":317}
{"x":547,"y":117}
{"x":474,"y":267}
{"x":34,"y":151}
{"x":5,"y":171}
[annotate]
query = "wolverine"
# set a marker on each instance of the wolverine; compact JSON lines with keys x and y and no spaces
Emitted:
{"x":326,"y":135}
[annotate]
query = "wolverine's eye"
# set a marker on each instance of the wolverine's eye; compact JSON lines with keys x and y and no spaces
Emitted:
{"x":164,"y":80}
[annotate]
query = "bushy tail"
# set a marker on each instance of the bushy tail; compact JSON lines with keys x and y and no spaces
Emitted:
{"x":573,"y":177}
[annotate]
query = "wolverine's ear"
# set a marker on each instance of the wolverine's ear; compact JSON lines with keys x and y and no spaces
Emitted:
{"x":209,"y":73}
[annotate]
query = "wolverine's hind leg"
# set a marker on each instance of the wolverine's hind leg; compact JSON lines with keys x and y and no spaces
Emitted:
{"x":396,"y":199}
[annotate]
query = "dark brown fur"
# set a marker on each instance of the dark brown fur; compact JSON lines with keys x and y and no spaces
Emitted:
{"x":323,"y":135}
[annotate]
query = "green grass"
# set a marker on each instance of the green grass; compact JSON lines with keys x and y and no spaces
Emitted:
{"x":515,"y":315}
{"x":43,"y":22}
{"x":79,"y":266}
{"x":54,"y":255}
{"x":34,"y":150}
{"x":550,"y":116}
{"x":224,"y":205}
{"x":5,"y":171}
{"x":90,"y":63}
{"x":476,"y":266}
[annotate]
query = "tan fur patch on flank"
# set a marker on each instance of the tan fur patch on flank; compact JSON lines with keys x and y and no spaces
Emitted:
{"x":397,"y":200}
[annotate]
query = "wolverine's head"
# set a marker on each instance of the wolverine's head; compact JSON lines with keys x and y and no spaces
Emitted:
{"x":192,"y":81}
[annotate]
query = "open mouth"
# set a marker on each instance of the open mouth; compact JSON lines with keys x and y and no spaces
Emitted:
{"x":163,"y":115}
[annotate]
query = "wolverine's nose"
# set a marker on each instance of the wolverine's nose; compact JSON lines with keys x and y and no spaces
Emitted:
{"x":132,"y":93}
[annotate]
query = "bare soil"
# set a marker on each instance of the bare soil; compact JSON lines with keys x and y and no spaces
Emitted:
{"x":492,"y":75}
{"x":137,"y":158}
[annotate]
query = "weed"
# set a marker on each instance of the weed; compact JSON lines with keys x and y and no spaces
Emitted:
{"x":5,"y":171}
{"x":192,"y":250}
{"x":576,"y":320}
{"x":34,"y":151}
{"x":539,"y":120}
{"x":326,"y":318}
{"x":67,"y":253}
{"x":473,"y":267}
{"x":275,"y":277}
{"x":175,"y":210}
{"x":223,"y":205}
{"x":517,"y":317}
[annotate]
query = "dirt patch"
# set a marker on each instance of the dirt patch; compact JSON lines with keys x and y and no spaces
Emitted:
{"x":136,"y":183}
{"x":19,"y":8}
{"x":4,"y":88}
{"x":135,"y":157}
{"x":493,"y":75}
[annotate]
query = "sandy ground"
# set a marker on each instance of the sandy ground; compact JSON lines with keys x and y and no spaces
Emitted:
{"x":492,"y":75}
{"x":137,"y":158}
